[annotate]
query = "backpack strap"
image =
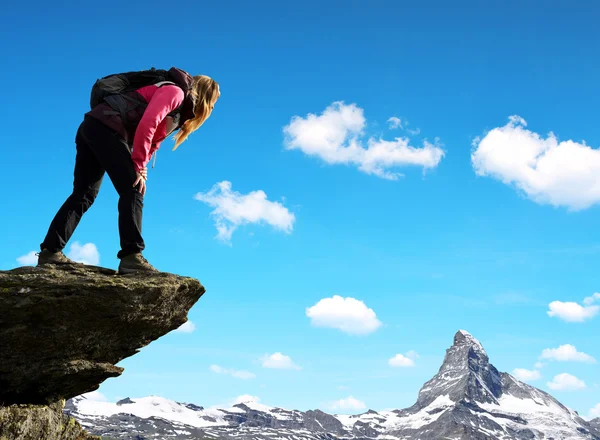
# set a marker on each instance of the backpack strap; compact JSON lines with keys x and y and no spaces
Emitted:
{"x":164,"y":83}
{"x":120,"y":107}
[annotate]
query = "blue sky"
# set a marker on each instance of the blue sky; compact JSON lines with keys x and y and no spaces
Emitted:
{"x":492,"y":226}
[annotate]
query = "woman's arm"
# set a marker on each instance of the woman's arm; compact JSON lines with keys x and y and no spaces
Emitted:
{"x":165,"y":99}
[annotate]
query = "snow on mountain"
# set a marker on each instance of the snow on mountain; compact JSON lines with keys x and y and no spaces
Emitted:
{"x":468,"y":399}
{"x":465,"y":373}
{"x":148,"y":407}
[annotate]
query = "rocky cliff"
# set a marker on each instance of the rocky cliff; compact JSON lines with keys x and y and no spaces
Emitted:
{"x":63,"y":329}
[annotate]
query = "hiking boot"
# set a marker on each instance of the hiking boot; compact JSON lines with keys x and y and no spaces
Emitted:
{"x":47,"y":257}
{"x":135,"y":263}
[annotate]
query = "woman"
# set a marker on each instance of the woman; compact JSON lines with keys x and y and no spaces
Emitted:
{"x":121,"y":144}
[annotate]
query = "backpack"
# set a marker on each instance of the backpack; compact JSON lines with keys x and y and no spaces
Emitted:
{"x":116,"y":90}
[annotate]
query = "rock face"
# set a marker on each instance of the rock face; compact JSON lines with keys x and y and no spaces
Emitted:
{"x":465,"y":374}
{"x":63,"y":328}
{"x":468,"y":399}
{"x":40,"y":422}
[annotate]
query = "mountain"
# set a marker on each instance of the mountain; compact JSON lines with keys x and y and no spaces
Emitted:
{"x":468,"y":399}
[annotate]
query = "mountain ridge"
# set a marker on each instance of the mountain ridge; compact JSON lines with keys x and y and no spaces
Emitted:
{"x":468,"y":399}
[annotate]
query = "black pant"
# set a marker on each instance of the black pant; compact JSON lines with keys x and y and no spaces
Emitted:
{"x":100,"y":149}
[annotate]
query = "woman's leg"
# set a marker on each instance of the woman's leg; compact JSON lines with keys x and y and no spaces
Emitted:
{"x":114,"y":155}
{"x":87,"y":180}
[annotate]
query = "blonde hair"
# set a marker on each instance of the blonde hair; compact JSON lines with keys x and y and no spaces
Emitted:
{"x":204,"y":93}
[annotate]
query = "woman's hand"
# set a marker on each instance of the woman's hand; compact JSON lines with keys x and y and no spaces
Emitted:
{"x":140,"y":179}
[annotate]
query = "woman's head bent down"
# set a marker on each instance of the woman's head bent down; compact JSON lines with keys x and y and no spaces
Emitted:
{"x":204,"y":93}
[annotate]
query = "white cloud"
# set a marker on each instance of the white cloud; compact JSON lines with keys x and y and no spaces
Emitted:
{"x":28,"y":260}
{"x":233,"y":209}
{"x":595,"y":412}
{"x":95,"y":396}
{"x":334,"y":136}
{"x":563,"y":173}
{"x":239,"y":374}
{"x":86,"y":254}
{"x":278,"y":361}
{"x":347,"y":314}
{"x":348,"y":404}
{"x":592,"y":299}
{"x":186,"y":327}
{"x":395,"y":122}
{"x":539,"y":365}
{"x":401,"y":360}
{"x":566,"y":353}
{"x":526,"y":375}
{"x":566,"y":382}
{"x":574,"y":312}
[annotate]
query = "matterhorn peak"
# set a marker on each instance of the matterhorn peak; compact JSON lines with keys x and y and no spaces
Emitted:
{"x":465,"y":374}
{"x":466,"y":350}
{"x":463,"y":337}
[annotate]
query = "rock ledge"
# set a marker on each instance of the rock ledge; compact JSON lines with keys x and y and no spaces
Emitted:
{"x":63,"y":328}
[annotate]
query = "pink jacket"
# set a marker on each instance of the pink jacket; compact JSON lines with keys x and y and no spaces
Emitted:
{"x":154,"y":126}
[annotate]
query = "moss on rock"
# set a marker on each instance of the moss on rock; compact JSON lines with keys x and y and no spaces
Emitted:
{"x":35,"y":422}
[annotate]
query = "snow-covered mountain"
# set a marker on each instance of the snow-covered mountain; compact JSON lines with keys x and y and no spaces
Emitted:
{"x":468,"y":399}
